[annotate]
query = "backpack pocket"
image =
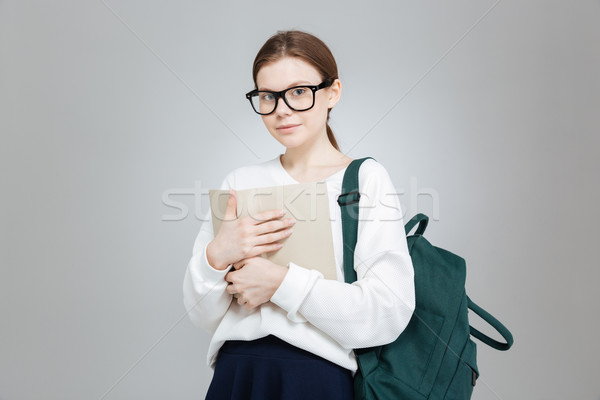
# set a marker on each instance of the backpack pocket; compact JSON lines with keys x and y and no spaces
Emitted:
{"x":413,"y":354}
{"x":461,"y":386}
{"x":381,"y":385}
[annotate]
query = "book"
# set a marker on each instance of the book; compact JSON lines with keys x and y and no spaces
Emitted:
{"x":311,"y":244}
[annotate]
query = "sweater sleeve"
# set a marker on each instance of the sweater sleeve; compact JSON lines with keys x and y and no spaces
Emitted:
{"x":376,"y":308}
{"x":204,"y":295}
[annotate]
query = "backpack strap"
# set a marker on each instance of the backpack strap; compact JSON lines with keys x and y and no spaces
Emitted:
{"x":497,"y":325}
{"x":421,"y":219}
{"x":348,"y":201}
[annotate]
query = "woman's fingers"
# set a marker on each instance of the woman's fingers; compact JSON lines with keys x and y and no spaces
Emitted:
{"x":230,"y":289}
{"x":269,"y":233}
{"x":258,"y":234}
{"x":267,"y":216}
{"x":273,"y":237}
{"x":265,"y":248}
{"x":239,"y":264}
{"x":234,"y":290}
{"x":273,"y":226}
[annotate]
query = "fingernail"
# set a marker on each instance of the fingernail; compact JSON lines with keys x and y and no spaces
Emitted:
{"x":282,"y":212}
{"x":291,"y":221}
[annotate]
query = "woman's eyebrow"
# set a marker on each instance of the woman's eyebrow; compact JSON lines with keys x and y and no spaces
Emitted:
{"x":289,"y":86}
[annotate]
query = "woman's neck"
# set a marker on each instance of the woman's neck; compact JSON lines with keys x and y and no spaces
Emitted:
{"x":305,"y":161}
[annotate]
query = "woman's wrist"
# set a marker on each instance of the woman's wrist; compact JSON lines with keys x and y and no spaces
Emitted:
{"x":277,"y":276}
{"x":212,"y":260}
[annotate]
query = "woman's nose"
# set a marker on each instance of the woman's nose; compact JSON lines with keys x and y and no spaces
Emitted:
{"x":282,"y":107}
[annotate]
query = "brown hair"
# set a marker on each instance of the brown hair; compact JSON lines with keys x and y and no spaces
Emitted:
{"x":304,"y":46}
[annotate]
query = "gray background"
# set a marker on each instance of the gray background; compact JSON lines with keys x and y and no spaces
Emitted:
{"x":112,"y":110}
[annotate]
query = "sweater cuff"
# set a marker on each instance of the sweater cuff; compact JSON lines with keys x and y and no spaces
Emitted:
{"x":294,"y":288}
{"x":208,"y":273}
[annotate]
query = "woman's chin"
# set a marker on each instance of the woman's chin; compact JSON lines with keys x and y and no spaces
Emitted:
{"x":288,"y":141}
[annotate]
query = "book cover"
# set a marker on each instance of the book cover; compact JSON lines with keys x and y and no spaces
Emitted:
{"x":310,"y":245}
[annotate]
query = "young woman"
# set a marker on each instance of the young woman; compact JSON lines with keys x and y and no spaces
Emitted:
{"x":289,"y":333}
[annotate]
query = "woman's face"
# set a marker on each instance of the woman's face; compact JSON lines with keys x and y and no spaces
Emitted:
{"x":306,"y":126}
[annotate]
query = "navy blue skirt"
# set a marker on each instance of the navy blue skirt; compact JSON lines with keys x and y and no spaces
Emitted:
{"x":271,"y":369}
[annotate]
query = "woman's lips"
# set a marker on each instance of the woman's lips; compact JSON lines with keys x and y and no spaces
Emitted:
{"x":287,"y":128}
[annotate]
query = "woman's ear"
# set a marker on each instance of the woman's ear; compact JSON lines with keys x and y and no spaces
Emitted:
{"x":335,"y":91}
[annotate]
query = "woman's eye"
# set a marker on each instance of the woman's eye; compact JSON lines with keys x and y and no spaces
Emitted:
{"x":266,"y":97}
{"x":298,"y":91}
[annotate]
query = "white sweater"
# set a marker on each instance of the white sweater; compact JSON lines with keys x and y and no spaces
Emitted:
{"x":326,"y":317}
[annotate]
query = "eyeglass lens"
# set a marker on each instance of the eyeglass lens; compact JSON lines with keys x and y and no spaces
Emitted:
{"x":298,"y":98}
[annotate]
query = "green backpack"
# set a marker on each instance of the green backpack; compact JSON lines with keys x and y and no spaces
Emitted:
{"x":434,"y":357}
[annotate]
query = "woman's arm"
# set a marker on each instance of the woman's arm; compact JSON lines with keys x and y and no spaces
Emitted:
{"x":204,"y":295}
{"x":376,"y":308}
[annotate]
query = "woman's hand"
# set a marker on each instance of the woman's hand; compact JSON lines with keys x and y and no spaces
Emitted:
{"x":246,"y":237}
{"x":254,"y":280}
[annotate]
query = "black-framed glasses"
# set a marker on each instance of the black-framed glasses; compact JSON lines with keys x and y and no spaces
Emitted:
{"x":297,"y":98}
